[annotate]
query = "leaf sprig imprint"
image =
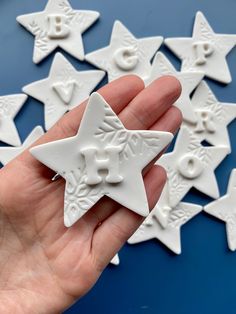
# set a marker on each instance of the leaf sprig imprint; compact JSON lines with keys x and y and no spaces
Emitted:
{"x":206,"y":33}
{"x":177,"y":185}
{"x":198,"y":150}
{"x":69,"y":12}
{"x":109,"y":127}
{"x":179,"y":216}
{"x":215,"y":106}
{"x":7,"y":106}
{"x":137,"y":143}
{"x":41,"y":39}
{"x":79,"y":196}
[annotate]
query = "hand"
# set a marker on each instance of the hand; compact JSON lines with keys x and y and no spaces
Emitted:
{"x":45,"y":267}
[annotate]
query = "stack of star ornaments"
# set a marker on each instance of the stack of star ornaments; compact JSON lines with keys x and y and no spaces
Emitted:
{"x":205,"y":118}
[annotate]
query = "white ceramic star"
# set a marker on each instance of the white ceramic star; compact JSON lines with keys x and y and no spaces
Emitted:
{"x":9,"y":107}
{"x":189,"y":81}
{"x":116,"y":260}
{"x":225,"y":209}
{"x":191,"y":165}
{"x":205,"y":51}
{"x":170,"y":234}
{"x":58,"y":26}
{"x":104,"y":158}
{"x":125,"y":54}
{"x":9,"y":153}
{"x":64,"y":89}
{"x":213,"y":117}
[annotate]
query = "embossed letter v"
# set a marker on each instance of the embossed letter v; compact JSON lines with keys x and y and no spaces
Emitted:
{"x":65,"y":91}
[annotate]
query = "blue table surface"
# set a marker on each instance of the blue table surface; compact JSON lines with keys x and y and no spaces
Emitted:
{"x":150,"y":279}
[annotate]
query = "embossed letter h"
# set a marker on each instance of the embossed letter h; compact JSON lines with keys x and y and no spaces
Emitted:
{"x":93,"y":165}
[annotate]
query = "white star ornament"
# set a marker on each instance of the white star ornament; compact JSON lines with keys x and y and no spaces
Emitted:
{"x":188,"y":80}
{"x":58,"y":26}
{"x":213,"y":117}
{"x":191,"y":165}
{"x":125,"y":54}
{"x":225,"y":209}
{"x":103,"y":158}
{"x":9,"y":153}
{"x":174,"y":218}
{"x":64,"y":89}
{"x":9,"y":107}
{"x":205,"y":51}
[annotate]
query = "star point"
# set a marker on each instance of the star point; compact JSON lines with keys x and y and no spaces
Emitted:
{"x":10,"y":105}
{"x":116,"y":260}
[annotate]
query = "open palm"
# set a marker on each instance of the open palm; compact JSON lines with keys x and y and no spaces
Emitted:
{"x":44,"y":266}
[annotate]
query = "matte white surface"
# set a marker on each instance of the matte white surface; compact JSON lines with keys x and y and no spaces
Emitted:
{"x":10,"y":105}
{"x":64,"y":89}
{"x":58,"y":26}
{"x":125,"y":54}
{"x":104,"y":158}
{"x":204,"y":44}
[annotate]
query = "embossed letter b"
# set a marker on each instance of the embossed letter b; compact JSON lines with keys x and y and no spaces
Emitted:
{"x":93,"y":165}
{"x":58,"y":28}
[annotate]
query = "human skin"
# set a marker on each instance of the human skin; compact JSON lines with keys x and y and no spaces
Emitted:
{"x":44,"y":266}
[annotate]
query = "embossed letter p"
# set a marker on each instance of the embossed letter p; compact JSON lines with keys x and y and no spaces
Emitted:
{"x":203,"y":50}
{"x":93,"y":165}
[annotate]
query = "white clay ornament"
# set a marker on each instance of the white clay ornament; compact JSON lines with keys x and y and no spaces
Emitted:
{"x":191,"y":165}
{"x":188,"y":80}
{"x":104,"y":158}
{"x":9,"y":153}
{"x":64,"y":89}
{"x":168,"y":229}
{"x":205,"y":51}
{"x":213,"y":117}
{"x":125,"y":54}
{"x":225,"y":209}
{"x":58,"y":26}
{"x":9,"y":107}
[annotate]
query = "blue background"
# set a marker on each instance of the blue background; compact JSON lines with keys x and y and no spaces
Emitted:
{"x":150,"y":279}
